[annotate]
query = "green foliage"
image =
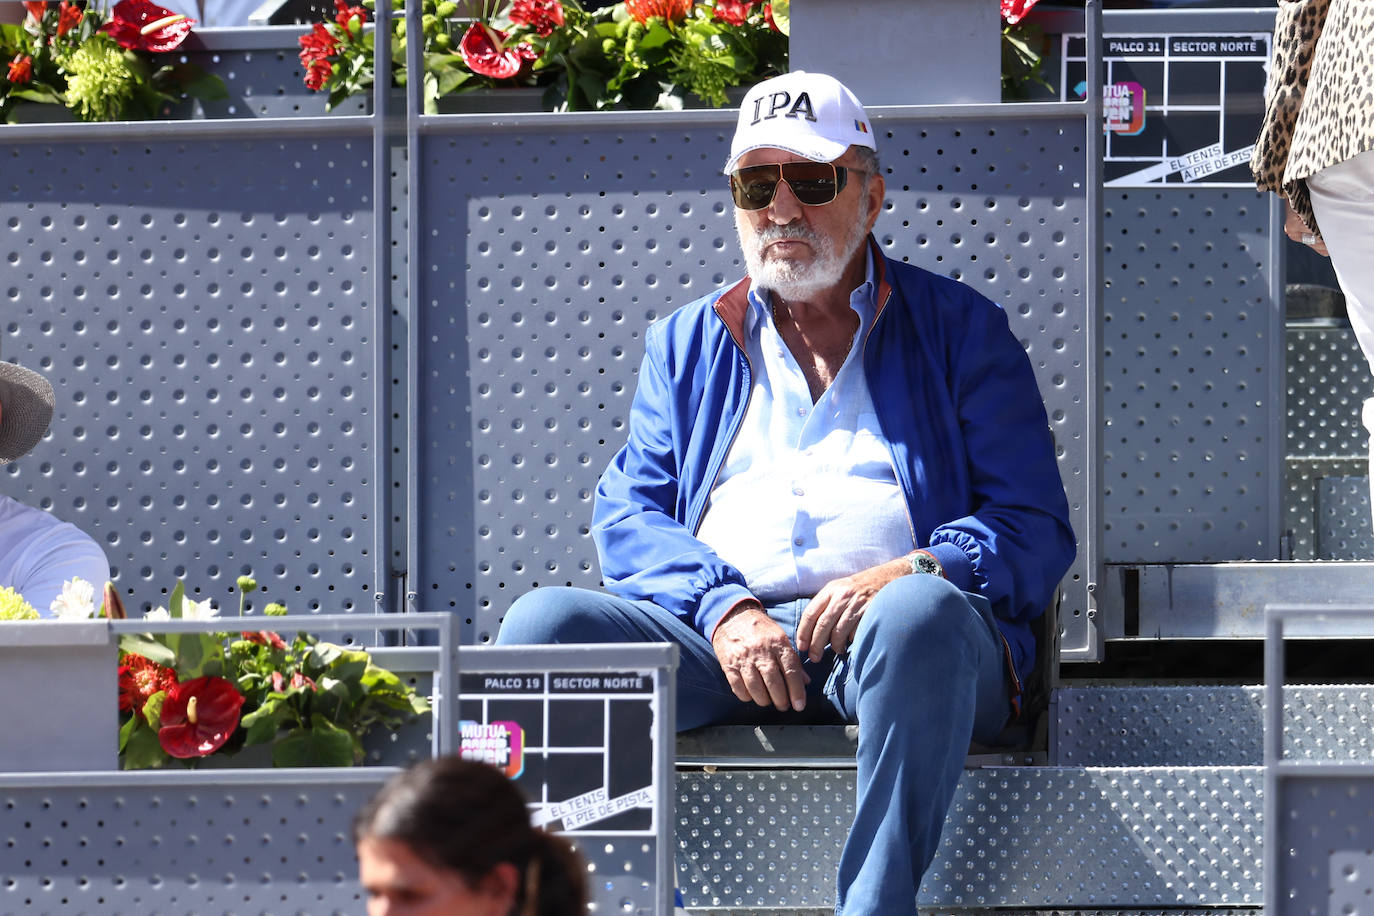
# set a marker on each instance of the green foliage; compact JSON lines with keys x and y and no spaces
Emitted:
{"x":141,"y":751}
{"x":600,"y":58}
{"x":1023,"y":47}
{"x":312,"y":702}
{"x":85,"y":71}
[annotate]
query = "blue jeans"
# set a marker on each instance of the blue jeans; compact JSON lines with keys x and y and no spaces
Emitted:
{"x":925,"y":675}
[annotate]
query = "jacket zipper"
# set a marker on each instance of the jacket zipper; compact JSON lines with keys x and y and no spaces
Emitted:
{"x":734,"y":431}
{"x":892,"y":459}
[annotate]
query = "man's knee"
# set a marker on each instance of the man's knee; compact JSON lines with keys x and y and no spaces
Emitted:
{"x":917,"y":612}
{"x":554,"y":614}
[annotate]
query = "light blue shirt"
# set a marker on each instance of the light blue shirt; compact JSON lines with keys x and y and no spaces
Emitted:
{"x":807,"y":493}
{"x":38,"y":552}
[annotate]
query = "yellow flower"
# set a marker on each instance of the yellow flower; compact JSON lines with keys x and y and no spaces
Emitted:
{"x":99,"y":81}
{"x":14,"y":607}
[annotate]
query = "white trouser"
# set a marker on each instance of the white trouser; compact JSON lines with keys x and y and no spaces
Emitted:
{"x":1343,"y":201}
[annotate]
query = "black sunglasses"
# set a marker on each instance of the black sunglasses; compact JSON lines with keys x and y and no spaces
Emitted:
{"x":812,"y":183}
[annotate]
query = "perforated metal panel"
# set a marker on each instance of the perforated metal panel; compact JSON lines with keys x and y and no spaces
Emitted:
{"x":1044,"y":837}
{"x":175,"y":844}
{"x":1327,"y":445}
{"x":262,"y":70}
{"x":1192,"y":390}
{"x":203,"y":307}
{"x":548,"y":247}
{"x":1343,"y":519}
{"x":1328,"y":381}
{"x":233,"y":842}
{"x":1207,"y":725}
{"x":1325,"y":831}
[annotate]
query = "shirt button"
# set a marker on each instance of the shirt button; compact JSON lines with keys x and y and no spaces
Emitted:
{"x":801,"y":411}
{"x":798,"y":542}
{"x":798,"y":491}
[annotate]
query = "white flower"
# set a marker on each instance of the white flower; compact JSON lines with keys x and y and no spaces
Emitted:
{"x":198,"y":610}
{"x":158,"y":613}
{"x":77,"y":601}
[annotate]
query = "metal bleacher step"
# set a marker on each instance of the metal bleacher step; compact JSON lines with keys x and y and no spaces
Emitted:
{"x":1153,"y":803}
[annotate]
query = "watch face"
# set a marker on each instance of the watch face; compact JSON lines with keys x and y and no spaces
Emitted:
{"x":925,"y":563}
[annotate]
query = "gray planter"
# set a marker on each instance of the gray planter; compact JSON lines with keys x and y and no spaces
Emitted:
{"x":61,"y":709}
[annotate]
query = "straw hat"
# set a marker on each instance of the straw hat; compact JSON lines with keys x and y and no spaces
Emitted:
{"x":26,"y":406}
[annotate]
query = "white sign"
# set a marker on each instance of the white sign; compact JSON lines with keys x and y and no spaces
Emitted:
{"x":593,"y":806}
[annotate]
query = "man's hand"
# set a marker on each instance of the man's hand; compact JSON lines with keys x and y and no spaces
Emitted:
{"x":759,"y":660}
{"x":834,"y":614}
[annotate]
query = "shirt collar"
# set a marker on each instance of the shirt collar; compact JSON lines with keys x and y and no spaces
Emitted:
{"x":863,"y":299}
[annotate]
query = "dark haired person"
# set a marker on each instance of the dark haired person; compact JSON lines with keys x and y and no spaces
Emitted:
{"x":839,"y":494}
{"x":453,"y":837}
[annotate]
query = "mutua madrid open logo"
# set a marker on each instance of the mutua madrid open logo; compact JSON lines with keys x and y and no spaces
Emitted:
{"x":501,"y":744}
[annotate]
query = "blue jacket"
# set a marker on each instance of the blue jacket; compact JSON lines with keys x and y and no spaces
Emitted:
{"x":958,"y":404}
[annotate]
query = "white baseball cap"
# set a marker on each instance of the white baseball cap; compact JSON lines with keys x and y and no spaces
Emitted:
{"x":810,"y":114}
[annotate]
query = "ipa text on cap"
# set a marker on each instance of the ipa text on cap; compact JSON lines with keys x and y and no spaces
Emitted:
{"x":812,"y":115}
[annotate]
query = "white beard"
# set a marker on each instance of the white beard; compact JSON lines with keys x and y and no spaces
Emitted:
{"x":797,"y":279}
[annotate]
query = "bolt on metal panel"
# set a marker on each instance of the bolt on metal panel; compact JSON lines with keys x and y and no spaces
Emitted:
{"x":203,"y":307}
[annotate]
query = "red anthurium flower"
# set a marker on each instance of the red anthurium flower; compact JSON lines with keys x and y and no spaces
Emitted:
{"x":139,"y":679}
{"x":316,"y":49}
{"x":541,"y":15}
{"x":199,"y":716}
{"x":36,"y":9}
{"x":346,"y":14}
{"x":485,"y":52}
{"x":300,"y":680}
{"x":644,"y":10}
{"x":1014,"y":10}
{"x":734,"y":12}
{"x":142,"y":26}
{"x":265,"y":638}
{"x":68,"y":17}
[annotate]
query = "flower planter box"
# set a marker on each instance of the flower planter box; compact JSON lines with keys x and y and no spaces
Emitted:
{"x":60,"y":681}
{"x":60,"y":710}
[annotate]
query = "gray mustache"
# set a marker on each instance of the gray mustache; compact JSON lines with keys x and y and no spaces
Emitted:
{"x":788,"y":233}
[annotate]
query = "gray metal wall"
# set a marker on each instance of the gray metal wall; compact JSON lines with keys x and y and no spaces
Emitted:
{"x":1192,"y":377}
{"x":242,"y":387}
{"x":201,"y":296}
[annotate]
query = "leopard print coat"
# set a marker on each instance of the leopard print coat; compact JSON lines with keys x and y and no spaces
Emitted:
{"x":1319,"y":100}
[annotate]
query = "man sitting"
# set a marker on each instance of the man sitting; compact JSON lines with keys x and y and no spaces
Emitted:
{"x":839,"y":492}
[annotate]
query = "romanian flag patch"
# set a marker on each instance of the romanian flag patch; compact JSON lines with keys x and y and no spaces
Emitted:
{"x":861,"y":127}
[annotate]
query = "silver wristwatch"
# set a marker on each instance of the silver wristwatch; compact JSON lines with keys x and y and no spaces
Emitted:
{"x":923,"y":562}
